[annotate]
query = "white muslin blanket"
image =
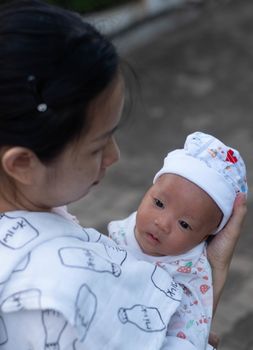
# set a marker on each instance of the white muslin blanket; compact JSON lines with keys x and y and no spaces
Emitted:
{"x":112,"y":300}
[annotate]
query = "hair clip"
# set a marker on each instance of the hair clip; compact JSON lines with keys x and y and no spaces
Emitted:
{"x":31,"y":78}
{"x":42,"y":106}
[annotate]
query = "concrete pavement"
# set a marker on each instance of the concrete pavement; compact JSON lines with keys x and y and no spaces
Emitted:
{"x":196,"y":74}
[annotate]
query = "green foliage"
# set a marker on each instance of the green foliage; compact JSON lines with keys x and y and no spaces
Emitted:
{"x":84,"y":5}
{"x":88,"y":5}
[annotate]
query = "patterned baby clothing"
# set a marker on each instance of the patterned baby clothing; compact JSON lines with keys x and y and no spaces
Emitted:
{"x":191,"y":271}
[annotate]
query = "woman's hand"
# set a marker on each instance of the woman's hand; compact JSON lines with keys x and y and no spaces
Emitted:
{"x":221,"y":247}
{"x":213,"y":340}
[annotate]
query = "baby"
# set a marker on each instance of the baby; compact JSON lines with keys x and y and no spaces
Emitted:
{"x":191,"y":199}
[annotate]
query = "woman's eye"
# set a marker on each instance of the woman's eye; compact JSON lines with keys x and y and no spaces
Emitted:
{"x":98,"y":150}
{"x":184,"y":225}
{"x":158,"y":203}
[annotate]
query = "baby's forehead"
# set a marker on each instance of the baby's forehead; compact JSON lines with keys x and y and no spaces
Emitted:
{"x":179,"y":189}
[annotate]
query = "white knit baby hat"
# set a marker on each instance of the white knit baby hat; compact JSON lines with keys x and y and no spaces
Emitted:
{"x":216,"y":168}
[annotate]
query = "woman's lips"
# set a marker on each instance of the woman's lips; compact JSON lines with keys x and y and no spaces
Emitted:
{"x":99,"y":179}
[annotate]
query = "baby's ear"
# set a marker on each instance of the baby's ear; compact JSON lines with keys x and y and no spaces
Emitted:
{"x":20,"y":164}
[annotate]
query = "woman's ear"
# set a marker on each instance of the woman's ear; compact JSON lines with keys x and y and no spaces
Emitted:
{"x":20,"y":164}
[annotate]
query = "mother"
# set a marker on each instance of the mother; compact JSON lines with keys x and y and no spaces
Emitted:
{"x":62,"y":286}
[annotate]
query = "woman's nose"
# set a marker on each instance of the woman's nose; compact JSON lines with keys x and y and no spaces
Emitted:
{"x":112,"y":153}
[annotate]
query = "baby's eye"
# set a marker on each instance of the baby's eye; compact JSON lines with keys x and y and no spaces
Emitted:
{"x":184,"y":225}
{"x":158,"y":203}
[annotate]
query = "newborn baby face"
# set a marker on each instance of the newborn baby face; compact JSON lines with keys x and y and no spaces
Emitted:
{"x":174,"y":216}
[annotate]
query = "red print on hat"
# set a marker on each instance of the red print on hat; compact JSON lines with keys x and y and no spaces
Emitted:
{"x":230,"y":157}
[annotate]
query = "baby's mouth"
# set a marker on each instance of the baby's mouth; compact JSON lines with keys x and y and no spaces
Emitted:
{"x":152,"y":237}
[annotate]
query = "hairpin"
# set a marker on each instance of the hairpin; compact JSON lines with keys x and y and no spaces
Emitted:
{"x":41,"y":106}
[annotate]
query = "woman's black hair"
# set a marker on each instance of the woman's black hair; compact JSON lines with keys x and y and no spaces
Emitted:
{"x":52,"y":65}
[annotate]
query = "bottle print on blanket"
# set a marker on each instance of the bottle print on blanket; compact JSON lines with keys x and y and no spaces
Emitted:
{"x":18,"y":232}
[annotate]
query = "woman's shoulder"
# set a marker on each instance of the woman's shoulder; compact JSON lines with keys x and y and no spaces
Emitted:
{"x":41,"y":254}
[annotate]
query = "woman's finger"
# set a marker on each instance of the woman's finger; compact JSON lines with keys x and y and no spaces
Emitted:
{"x":213,"y":340}
{"x":221,"y":248}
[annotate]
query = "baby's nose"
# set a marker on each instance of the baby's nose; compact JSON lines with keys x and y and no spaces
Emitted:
{"x":163,"y":223}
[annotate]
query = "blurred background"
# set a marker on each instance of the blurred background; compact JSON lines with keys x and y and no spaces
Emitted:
{"x":194,"y":65}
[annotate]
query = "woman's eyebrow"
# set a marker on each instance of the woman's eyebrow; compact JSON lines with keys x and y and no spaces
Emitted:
{"x":106,"y":134}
